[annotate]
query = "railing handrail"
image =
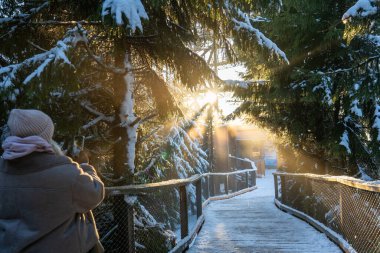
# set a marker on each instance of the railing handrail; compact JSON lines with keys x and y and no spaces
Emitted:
{"x":228,"y":173}
{"x":373,"y":186}
{"x":143,"y":188}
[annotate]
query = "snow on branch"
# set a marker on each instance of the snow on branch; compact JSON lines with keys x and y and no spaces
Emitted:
{"x":57,"y":54}
{"x":133,"y":10}
{"x":261,"y":38}
{"x":375,"y":39}
{"x":243,"y":84}
{"x":376,"y":123}
{"x":355,"y":109}
{"x":101,"y":117}
{"x":186,"y":152}
{"x":345,"y":142}
{"x":21,"y":19}
{"x":361,"y":9}
{"x":244,"y":21}
{"x":325,"y":86}
{"x":252,"y":19}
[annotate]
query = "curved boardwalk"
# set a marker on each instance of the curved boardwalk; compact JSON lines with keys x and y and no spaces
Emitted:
{"x":252,"y":223}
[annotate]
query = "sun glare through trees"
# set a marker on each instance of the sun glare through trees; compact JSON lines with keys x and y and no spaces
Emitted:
{"x":176,"y":104}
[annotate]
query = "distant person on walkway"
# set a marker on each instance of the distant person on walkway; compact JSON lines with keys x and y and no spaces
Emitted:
{"x":45,"y":197}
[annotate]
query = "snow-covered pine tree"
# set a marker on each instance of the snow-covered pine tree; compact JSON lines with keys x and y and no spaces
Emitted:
{"x":79,"y":63}
{"x":324,"y":103}
{"x":97,"y":69}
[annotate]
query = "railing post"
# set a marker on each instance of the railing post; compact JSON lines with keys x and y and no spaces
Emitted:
{"x":236,"y":182}
{"x":226,"y":185}
{"x":131,"y":230}
{"x":246,"y":180}
{"x":254,"y":175}
{"x":283,"y":189}
{"x":275,"y":186}
{"x":183,"y":211}
{"x":198,"y":194}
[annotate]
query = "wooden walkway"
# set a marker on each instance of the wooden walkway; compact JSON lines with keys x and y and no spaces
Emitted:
{"x":252,"y":223}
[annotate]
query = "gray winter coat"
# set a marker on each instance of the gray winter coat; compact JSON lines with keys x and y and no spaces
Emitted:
{"x":45,"y":203}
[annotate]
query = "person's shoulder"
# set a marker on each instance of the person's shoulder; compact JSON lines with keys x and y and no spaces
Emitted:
{"x":64,"y":167}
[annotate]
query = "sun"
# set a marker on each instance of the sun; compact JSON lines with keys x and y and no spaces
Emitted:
{"x":210,"y":97}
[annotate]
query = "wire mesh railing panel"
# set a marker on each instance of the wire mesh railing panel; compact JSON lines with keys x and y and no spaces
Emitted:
{"x":219,"y":183}
{"x":352,"y":212}
{"x":162,"y":216}
{"x":323,"y":203}
{"x":157,"y":220}
{"x":205,"y":188}
{"x":192,"y":206}
{"x":240,"y":182}
{"x":360,"y":216}
{"x":112,"y":223}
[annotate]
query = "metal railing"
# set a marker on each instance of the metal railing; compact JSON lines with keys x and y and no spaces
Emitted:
{"x":345,"y":209}
{"x":164,"y":216}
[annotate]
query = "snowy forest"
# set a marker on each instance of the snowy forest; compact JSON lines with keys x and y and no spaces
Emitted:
{"x":116,"y":75}
{"x":115,"y":72}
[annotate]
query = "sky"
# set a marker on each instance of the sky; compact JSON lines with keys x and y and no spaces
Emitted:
{"x":229,"y":72}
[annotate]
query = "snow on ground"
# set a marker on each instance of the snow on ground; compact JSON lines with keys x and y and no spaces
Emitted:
{"x":252,"y":223}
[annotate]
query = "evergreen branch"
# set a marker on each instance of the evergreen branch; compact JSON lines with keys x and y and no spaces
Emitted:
{"x":139,"y":121}
{"x":243,"y":84}
{"x":363,"y":146}
{"x":262,"y":40}
{"x":245,"y":23}
{"x":21,"y":19}
{"x":98,"y":59}
{"x":110,"y":68}
{"x":85,"y":90}
{"x":147,"y":118}
{"x":93,"y":122}
{"x":361,"y":9}
{"x":154,"y":131}
{"x":66,"y":23}
{"x":54,"y":55}
{"x":353,"y":68}
{"x":152,"y":162}
{"x":88,"y":106}
{"x":36,"y":46}
{"x":181,"y":28}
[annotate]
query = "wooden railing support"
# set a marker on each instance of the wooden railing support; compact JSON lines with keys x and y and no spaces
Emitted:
{"x":131,"y":230}
{"x":226,"y":185}
{"x":183,"y":211}
{"x":247,"y":179}
{"x":198,"y":199}
{"x":236,"y":186}
{"x":253,"y":177}
{"x":275,"y":186}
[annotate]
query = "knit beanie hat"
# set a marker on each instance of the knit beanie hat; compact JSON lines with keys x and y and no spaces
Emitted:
{"x":23,"y":123}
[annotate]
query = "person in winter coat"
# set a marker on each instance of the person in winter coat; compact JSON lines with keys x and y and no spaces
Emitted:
{"x":45,"y":197}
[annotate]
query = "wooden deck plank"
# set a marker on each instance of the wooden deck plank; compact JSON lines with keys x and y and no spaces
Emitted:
{"x":252,"y":223}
